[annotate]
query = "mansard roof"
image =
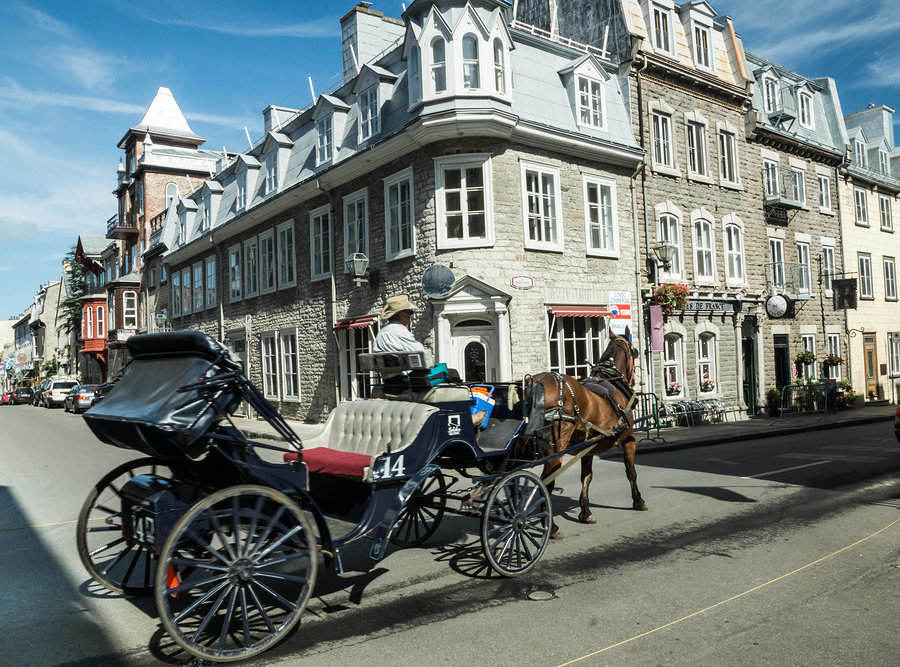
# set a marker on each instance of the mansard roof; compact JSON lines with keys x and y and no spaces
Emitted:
{"x":163,"y":118}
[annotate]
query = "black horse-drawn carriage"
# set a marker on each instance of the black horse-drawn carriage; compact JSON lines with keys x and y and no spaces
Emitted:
{"x":229,"y":541}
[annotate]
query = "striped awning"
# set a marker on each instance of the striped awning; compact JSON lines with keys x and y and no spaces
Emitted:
{"x":579,"y":311}
{"x":354,"y":322}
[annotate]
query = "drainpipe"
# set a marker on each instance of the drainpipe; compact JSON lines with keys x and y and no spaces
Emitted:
{"x":643,"y":170}
{"x":838,"y":172}
{"x":332,"y":284}
{"x":637,"y":266}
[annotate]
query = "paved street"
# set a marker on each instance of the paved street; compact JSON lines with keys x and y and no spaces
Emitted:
{"x":782,"y":550}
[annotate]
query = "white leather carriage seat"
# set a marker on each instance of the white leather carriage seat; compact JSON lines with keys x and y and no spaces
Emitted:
{"x":438,"y":394}
{"x":371,"y":427}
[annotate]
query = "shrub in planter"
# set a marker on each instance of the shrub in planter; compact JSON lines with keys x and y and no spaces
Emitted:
{"x":670,"y":296}
{"x":773,"y":402}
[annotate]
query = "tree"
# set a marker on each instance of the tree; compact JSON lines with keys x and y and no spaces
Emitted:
{"x":71,"y":305}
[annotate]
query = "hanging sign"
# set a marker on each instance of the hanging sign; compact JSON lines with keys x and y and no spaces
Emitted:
{"x":620,"y":312}
{"x":522,"y":282}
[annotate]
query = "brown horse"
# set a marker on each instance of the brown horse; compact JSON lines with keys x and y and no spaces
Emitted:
{"x":563,"y":412}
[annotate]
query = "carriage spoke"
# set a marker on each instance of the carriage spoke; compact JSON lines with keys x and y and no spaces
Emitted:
{"x":189,"y":585}
{"x":257,"y":510}
{"x":134,"y":560}
{"x":228,"y":614}
{"x":106,"y":546}
{"x":116,"y":561}
{"x":277,"y":543}
{"x":235,"y":518}
{"x":218,"y":529}
{"x":262,"y":610}
{"x":196,"y":603}
{"x":245,"y":621}
{"x":105,"y":529}
{"x":282,"y":559}
{"x":265,"y":536}
{"x":206,"y":545}
{"x":190,"y":562}
{"x":505,"y":545}
{"x":286,"y":604}
{"x":209,"y":615}
{"x":528,"y":502}
{"x":523,"y":546}
{"x":282,"y":577}
{"x":108,"y":510}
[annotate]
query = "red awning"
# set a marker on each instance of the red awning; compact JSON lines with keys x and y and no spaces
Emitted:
{"x":354,"y":323}
{"x":580,"y":311}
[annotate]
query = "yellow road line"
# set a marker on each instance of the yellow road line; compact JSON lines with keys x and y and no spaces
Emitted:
{"x":45,"y":525}
{"x":732,"y":598}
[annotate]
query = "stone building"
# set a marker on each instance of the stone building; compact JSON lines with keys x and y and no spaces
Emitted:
{"x":800,"y":142}
{"x":869,"y":194}
{"x":468,"y":140}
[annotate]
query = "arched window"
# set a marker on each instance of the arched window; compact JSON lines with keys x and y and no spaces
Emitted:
{"x":703,"y":250}
{"x":90,"y":322}
{"x":474,"y":355}
{"x":499,"y":67}
{"x":171,"y":193}
{"x":471,"y":78}
{"x":415,"y":83}
{"x":734,"y":253}
{"x":439,"y":65}
{"x":706,"y":363}
{"x":101,"y":323}
{"x":669,"y":233}
{"x":672,"y":365}
{"x":129,"y":310}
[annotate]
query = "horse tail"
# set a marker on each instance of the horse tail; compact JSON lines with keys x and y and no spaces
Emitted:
{"x":535,"y":408}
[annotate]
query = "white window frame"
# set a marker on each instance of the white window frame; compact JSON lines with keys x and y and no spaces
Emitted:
{"x":771,"y":182}
{"x":210,"y":294}
{"x":859,"y":150}
{"x":734,"y":257}
{"x":833,"y":346}
{"x":824,"y":193}
{"x":324,"y":140}
{"x":187,"y":294}
{"x":798,"y":185}
{"x":289,"y":365}
{"x":673,"y":364}
{"x":707,"y":363}
{"x":566,"y":333}
{"x":499,"y":49}
{"x":894,"y":353}
{"x":866,"y":283}
{"x":805,"y":109}
{"x":808,"y":344}
{"x":251,"y":273}
{"x":177,"y":302}
{"x":805,"y":286}
{"x":235,"y":273}
{"x":729,"y":173}
{"x":129,"y":313}
{"x":696,"y":148}
{"x":101,"y":322}
{"x":171,"y":196}
{"x":438,"y":67}
{"x":89,"y":322}
{"x":368,"y":113}
{"x":704,"y":254}
{"x":883,"y":163}
{"x":151,"y":278}
{"x":271,"y":175}
{"x":703,"y":53}
{"x":828,"y":268}
{"x":206,"y":212}
{"x":471,"y":67}
{"x":198,"y":291}
{"x":771,"y":103}
{"x":776,"y":262}
{"x":287,"y":254}
{"x":887,"y":219}
{"x":356,"y":223}
{"x":269,"y":364}
{"x":591,"y":102}
{"x":395,"y":218}
{"x":351,"y":343}
{"x":889,"y":266}
{"x":670,"y":230}
{"x":663,"y":150}
{"x":543,"y":200}
{"x":860,"y":200}
{"x":599,"y":217}
{"x":240,"y":201}
{"x":267,"y":262}
{"x":663,"y":33}
{"x":320,"y":259}
{"x":463,"y":163}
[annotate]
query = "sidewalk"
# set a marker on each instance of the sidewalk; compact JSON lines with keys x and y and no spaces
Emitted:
{"x":679,"y":437}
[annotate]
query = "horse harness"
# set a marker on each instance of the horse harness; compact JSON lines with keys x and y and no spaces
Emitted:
{"x":609,"y":374}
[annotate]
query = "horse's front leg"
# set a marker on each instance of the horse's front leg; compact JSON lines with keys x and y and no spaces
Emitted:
{"x":587,"y":473}
{"x":549,"y":468}
{"x":629,"y":447}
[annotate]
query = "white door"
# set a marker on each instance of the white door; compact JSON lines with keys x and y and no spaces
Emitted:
{"x":475,"y":345}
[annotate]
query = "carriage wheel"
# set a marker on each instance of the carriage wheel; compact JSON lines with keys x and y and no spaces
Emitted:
{"x":235,"y":573}
{"x":516,"y":522}
{"x":118,"y":566}
{"x":422,"y":514}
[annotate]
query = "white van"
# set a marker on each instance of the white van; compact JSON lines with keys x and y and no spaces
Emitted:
{"x":55,"y":395}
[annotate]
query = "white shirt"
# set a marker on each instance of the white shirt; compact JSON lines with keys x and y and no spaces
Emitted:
{"x":395,"y":337}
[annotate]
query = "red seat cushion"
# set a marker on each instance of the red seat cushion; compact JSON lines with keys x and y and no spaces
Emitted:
{"x":332,"y":461}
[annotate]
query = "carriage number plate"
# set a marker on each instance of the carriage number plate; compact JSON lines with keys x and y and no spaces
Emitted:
{"x":143,"y":529}
{"x":389,"y":468}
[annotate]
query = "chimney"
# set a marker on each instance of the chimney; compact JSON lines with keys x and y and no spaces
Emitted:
{"x":274,"y":117}
{"x":366,"y":34}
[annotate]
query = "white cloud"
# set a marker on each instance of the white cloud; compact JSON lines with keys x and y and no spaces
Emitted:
{"x":91,"y":68}
{"x":315,"y":28}
{"x":883,"y":72}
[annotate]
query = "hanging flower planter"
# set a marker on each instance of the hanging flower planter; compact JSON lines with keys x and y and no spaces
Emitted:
{"x":673,"y":389}
{"x":832,"y":360}
{"x":670,"y":296}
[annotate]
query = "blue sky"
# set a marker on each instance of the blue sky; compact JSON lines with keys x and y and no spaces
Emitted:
{"x":74,"y":76}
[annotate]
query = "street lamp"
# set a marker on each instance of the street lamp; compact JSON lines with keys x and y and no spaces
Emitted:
{"x":356,"y":264}
{"x":665,"y":253}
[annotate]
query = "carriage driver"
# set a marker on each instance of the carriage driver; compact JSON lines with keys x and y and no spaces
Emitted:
{"x":395,"y":336}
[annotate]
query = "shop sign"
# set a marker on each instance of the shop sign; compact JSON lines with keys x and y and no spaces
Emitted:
{"x":522,"y":282}
{"x":619,"y":311}
{"x":709,"y":306}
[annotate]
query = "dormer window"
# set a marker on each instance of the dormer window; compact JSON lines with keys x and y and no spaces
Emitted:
{"x":701,"y":47}
{"x":240,"y":201}
{"x":471,"y":77}
{"x":368,"y":113}
{"x":182,"y":231}
{"x":323,"y":140}
{"x":171,"y":194}
{"x":860,"y":154}
{"x":590,"y":102}
{"x":883,"y":162}
{"x":439,"y":65}
{"x":499,"y":67}
{"x":271,"y":183}
{"x":770,"y":95}
{"x":805,"y":101}
{"x":662,"y":29}
{"x":205,"y":212}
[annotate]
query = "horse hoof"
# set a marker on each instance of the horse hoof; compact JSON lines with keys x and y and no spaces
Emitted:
{"x":587,"y":518}
{"x":557,"y":535}
{"x":641,"y":506}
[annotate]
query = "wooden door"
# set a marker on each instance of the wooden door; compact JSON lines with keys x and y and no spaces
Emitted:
{"x":870,"y":354}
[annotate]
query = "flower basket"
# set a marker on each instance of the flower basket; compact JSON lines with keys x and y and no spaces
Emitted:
{"x":670,"y":296}
{"x":707,"y":385}
{"x":673,"y":389}
{"x":805,"y":357}
{"x":832,"y":360}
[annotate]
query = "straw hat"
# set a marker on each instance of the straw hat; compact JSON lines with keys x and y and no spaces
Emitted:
{"x":396,"y":304}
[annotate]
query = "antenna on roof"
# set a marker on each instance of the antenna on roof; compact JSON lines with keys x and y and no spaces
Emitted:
{"x":249,"y":140}
{"x":403,"y":5}
{"x":190,"y":184}
{"x":312,"y":91}
{"x":353,"y":55}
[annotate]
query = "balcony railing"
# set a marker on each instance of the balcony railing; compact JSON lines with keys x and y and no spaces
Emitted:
{"x":781,"y":190}
{"x":791,"y":278}
{"x":121,"y":228}
{"x":157,"y":221}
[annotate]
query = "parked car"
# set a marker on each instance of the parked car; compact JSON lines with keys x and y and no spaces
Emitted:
{"x":80,"y":397}
{"x":22,"y":395}
{"x":39,"y":392}
{"x":55,"y":393}
{"x":6,"y":398}
{"x":897,"y":424}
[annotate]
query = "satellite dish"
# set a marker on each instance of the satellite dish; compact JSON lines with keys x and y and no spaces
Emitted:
{"x":437,"y":281}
